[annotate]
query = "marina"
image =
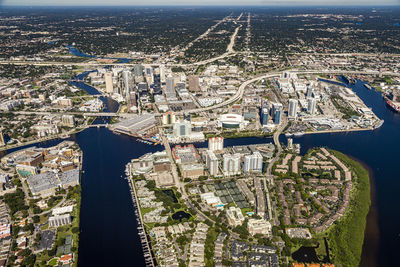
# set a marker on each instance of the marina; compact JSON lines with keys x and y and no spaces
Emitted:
{"x":144,"y":238}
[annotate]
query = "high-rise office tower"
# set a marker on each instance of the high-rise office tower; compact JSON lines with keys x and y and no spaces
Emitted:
{"x":277,"y":116}
{"x":170,"y":87}
{"x":276,"y":112}
{"x":148,"y":71}
{"x":168,"y":118}
{"x":138,"y":70}
{"x":193,"y":81}
{"x":264,"y":116}
{"x":127,"y":80}
{"x":2,"y":141}
{"x":109,"y":82}
{"x":182,"y":129}
{"x":309,"y":92}
{"x":162,"y":73}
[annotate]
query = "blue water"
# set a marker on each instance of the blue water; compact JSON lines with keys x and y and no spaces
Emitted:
{"x":110,"y":105}
{"x":331,"y":82}
{"x":108,"y":226}
{"x":378,"y":150}
{"x":76,"y":52}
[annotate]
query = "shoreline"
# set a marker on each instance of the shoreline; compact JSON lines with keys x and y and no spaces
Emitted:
{"x":370,"y":251}
{"x":345,"y":238}
{"x":303,"y":133}
{"x":46,"y":139}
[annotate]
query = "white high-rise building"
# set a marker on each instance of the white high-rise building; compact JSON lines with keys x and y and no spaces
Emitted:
{"x":312,"y":106}
{"x":212,"y":162}
{"x":66,"y":120}
{"x":109,"y":82}
{"x":127,"y":79}
{"x":292,"y":108}
{"x":182,"y":129}
{"x":168,"y":118}
{"x":309,"y":91}
{"x":253,"y":163}
{"x":2,"y":141}
{"x":170,"y":87}
{"x":162,"y":73}
{"x":216,"y":143}
{"x":231,"y":164}
{"x":138,"y":70}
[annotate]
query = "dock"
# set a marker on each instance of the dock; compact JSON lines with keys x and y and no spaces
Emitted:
{"x":144,"y":238}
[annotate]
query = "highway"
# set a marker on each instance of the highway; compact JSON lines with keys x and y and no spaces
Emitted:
{"x":238,"y":95}
{"x":230,"y":49}
{"x":206,"y":32}
{"x":87,"y":114}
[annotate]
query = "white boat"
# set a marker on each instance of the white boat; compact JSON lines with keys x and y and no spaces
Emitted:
{"x":288,"y":134}
{"x":298,"y":134}
{"x":379,"y":124}
{"x":369,"y":87}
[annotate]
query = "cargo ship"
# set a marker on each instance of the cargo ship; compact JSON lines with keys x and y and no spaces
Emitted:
{"x":393,"y":105}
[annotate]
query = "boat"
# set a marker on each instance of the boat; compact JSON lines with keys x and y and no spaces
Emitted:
{"x":288,"y":134}
{"x":366,"y":85}
{"x":298,"y":134}
{"x":395,"y":106}
{"x":379,"y":124}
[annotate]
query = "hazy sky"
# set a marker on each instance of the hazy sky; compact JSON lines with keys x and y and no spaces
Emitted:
{"x":198,"y":2}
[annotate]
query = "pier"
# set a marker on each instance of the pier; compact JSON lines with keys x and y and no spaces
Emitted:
{"x":144,"y":238}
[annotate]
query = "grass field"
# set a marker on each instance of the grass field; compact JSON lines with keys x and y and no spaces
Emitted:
{"x":347,"y":236}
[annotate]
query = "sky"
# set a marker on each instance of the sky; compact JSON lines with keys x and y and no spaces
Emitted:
{"x":197,"y":2}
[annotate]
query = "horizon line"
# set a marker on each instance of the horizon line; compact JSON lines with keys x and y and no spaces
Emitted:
{"x":208,"y":5}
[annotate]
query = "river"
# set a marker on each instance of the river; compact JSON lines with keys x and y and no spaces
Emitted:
{"x":108,"y":226}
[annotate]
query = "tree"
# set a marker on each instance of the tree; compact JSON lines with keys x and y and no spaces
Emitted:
{"x":15,"y":231}
{"x":51,"y":252}
{"x":29,"y":227}
{"x":36,"y":219}
{"x":25,"y":252}
{"x":29,"y":261}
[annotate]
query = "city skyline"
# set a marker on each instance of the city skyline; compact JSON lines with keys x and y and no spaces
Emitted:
{"x":198,"y":3}
{"x":189,"y":133}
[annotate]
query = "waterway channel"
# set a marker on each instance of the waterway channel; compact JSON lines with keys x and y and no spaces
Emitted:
{"x":108,"y":226}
